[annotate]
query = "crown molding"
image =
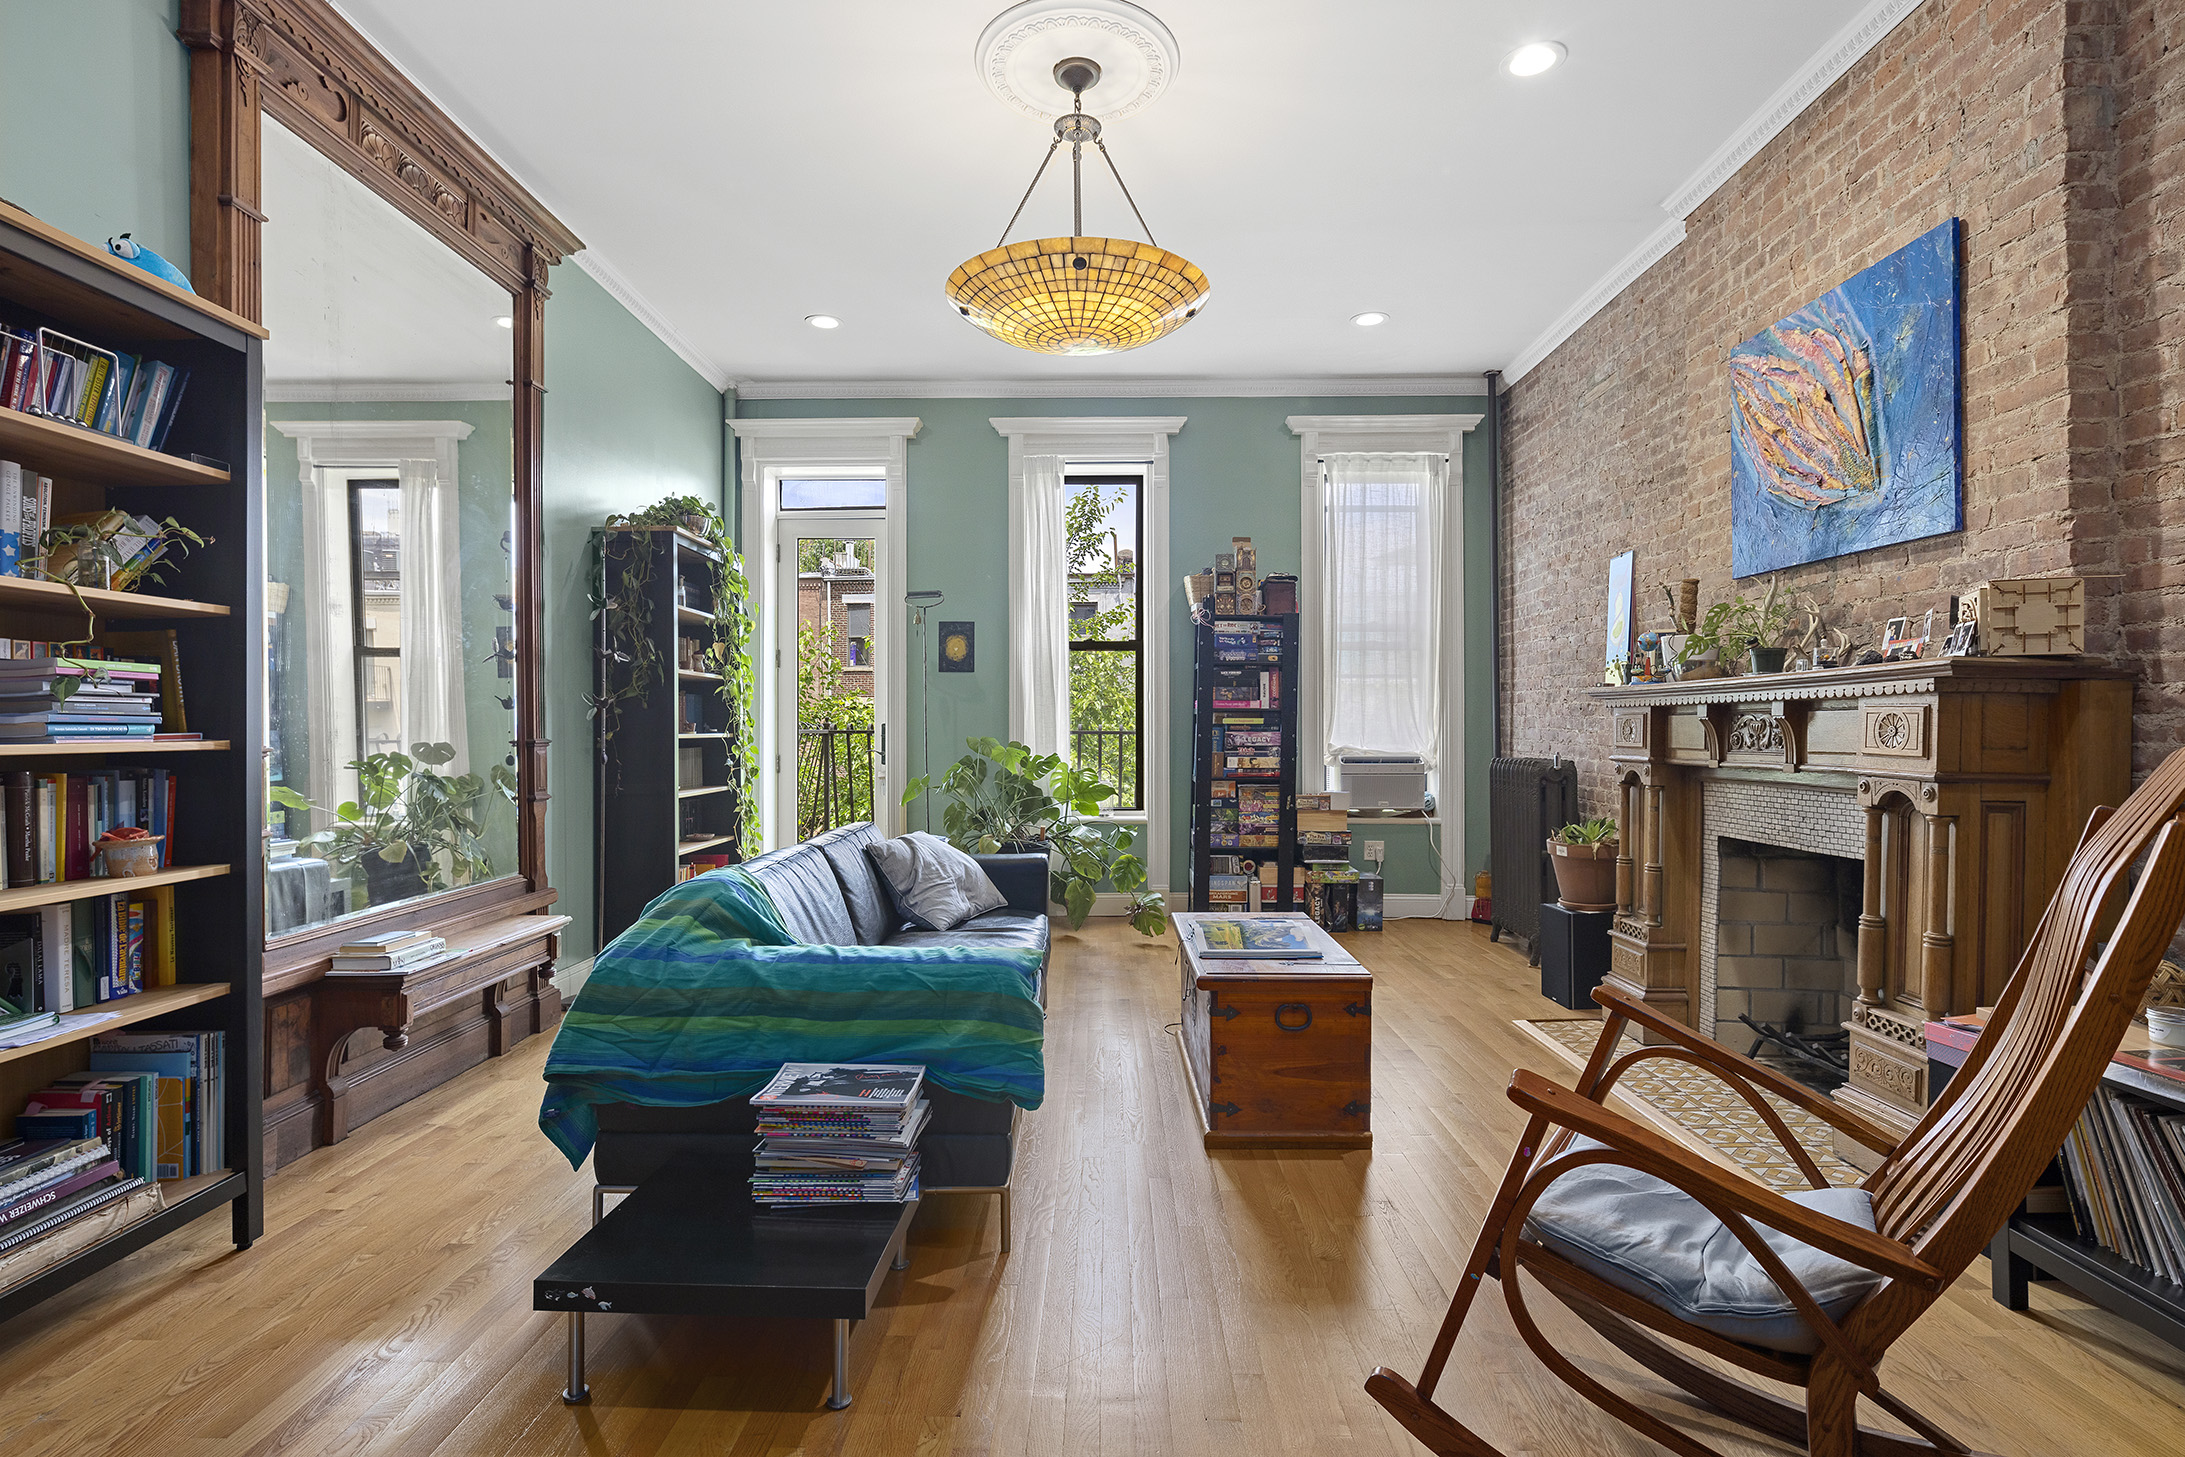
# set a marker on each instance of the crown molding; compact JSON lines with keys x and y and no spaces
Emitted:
{"x":1596,"y":298}
{"x":387,"y":391}
{"x":603,"y":273}
{"x":1821,"y":70}
{"x":1152,"y":387}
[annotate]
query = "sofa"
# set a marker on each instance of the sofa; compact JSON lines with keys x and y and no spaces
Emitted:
{"x":828,"y":894}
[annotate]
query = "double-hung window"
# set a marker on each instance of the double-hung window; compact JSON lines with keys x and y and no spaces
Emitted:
{"x":1103,"y":524}
{"x":1382,"y":604}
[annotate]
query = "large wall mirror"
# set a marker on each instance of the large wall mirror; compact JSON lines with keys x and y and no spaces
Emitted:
{"x":390,"y":552}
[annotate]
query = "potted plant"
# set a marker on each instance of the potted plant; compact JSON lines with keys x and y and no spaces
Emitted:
{"x":410,"y":828}
{"x":1002,"y":797}
{"x":1748,"y":630}
{"x":1584,"y":855}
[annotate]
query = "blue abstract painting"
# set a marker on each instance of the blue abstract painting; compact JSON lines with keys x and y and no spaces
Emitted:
{"x":1844,"y":420}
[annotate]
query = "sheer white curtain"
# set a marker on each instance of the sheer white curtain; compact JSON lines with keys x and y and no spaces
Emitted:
{"x":1381,"y":604}
{"x":432,"y":610}
{"x":1039,"y":609}
{"x":324,"y":604}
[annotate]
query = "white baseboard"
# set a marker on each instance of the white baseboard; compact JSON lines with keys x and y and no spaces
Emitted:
{"x":570,"y":979}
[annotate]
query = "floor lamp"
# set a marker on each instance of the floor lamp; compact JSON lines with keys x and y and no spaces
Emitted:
{"x":920,"y":603}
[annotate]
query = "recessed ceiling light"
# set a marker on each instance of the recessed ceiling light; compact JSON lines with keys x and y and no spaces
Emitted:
{"x":505,"y":321}
{"x":1369,"y":318}
{"x":823,"y":321}
{"x":1531,"y":60}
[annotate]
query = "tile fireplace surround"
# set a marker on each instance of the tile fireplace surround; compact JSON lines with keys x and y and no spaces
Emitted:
{"x":1961,"y":784}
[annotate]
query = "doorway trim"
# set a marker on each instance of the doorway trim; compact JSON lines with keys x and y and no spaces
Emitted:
{"x":769,"y":449}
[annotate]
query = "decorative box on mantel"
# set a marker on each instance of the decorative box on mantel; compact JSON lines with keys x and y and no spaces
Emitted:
{"x":1956,"y":787}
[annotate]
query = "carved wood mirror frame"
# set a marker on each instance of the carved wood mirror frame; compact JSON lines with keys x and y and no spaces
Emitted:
{"x":300,"y":63}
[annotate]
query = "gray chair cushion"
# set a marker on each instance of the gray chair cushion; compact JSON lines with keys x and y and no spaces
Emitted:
{"x":1653,"y":1240}
{"x":806,"y":894}
{"x":871,"y":912}
{"x":935,"y":885}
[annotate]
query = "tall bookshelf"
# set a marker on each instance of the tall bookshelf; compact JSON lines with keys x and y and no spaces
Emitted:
{"x":209,"y":478}
{"x":1209,"y":773}
{"x":661,"y":783}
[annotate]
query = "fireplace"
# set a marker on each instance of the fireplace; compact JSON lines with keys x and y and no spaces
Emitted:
{"x":1780,"y":974}
{"x":1890,"y":834}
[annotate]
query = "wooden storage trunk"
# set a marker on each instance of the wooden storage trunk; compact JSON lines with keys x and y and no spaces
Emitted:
{"x":1280,"y":1055}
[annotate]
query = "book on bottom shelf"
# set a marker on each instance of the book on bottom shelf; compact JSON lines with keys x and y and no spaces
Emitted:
{"x":2124,"y":1174}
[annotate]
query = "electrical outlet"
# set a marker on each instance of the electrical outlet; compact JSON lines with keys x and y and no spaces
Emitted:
{"x":1376,"y":850}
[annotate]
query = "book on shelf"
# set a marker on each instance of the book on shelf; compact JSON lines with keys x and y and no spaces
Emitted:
{"x":50,"y":823}
{"x":126,"y":396}
{"x":1247,"y":687}
{"x":190,"y":1126}
{"x":1268,"y":940}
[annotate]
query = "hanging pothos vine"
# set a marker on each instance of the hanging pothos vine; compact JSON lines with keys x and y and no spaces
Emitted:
{"x":622,"y":575}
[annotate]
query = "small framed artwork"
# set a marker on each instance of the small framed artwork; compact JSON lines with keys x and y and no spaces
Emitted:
{"x":1619,"y":618}
{"x":1960,"y":644}
{"x":959,"y":647}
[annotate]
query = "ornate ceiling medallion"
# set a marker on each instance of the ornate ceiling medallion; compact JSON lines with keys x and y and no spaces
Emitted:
{"x":1016,"y":54}
{"x":1079,"y":294}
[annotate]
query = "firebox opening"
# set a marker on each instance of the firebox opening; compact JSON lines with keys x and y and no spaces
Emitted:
{"x":1786,"y":962}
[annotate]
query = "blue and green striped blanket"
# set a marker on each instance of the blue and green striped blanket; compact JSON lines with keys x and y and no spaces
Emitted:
{"x":708,"y":995}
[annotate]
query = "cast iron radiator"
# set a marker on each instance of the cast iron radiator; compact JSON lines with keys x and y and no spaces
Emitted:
{"x":1527,"y":800}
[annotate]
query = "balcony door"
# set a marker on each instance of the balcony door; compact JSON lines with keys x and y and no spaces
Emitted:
{"x":832,"y":591}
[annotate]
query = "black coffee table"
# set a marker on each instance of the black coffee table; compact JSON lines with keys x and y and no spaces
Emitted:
{"x":692,"y":1242}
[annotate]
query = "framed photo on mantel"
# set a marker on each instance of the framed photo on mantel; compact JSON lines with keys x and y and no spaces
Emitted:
{"x":1614,"y":669}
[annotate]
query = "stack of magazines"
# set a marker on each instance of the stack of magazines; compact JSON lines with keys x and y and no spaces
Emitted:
{"x":839,"y":1133}
{"x":45,"y":1183}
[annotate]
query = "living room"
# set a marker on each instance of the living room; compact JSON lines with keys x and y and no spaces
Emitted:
{"x":1606,"y":705}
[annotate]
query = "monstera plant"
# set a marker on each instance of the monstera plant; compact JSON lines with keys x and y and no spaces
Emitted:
{"x":1002,"y":796}
{"x":411,"y":827}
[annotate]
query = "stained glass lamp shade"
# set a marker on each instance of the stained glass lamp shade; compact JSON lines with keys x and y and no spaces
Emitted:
{"x":1078,"y":295}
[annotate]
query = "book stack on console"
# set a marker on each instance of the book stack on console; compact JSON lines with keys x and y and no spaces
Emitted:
{"x":839,"y":1133}
{"x":57,"y":699}
{"x":393,"y":951}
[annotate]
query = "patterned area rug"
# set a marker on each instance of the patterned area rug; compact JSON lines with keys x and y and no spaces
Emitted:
{"x":1700,"y":1111}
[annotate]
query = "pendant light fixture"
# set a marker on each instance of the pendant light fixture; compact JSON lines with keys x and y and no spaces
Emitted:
{"x":1078,"y":295}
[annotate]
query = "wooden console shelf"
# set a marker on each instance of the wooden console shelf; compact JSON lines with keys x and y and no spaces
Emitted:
{"x":393,"y":1001}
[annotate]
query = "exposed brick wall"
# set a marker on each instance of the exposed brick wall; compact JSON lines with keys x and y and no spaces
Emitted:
{"x":2057,"y":132}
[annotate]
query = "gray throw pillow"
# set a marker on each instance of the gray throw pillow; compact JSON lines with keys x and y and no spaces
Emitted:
{"x":936,"y":886}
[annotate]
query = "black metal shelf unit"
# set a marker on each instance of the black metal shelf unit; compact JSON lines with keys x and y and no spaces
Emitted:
{"x":2048,"y":1246}
{"x":1207,"y":755}
{"x":210,"y":477}
{"x":660,"y":778}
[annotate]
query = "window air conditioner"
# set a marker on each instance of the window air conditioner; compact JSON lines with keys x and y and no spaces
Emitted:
{"x":1384,"y":781}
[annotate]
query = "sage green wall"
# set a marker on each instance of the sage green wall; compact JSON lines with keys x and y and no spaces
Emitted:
{"x":627,"y":422}
{"x":95,"y":119}
{"x":1233,"y":471}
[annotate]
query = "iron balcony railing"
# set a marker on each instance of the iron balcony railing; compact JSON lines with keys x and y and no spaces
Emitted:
{"x":834,"y":778}
{"x":1113,"y":755}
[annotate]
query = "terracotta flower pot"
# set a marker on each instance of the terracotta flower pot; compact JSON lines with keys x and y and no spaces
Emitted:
{"x":1585,"y":875}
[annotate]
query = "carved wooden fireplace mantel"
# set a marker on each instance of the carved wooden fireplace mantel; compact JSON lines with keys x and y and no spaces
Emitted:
{"x":1975,"y":777}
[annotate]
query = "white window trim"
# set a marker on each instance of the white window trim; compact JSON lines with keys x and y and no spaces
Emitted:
{"x":1324,"y":435}
{"x":1089,"y":440}
{"x":769,"y":449}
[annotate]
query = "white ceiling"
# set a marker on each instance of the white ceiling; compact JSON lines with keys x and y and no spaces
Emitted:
{"x":363,"y":303}
{"x":737,"y":165}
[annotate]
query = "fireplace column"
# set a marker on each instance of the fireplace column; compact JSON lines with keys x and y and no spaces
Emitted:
{"x":1627,"y":830}
{"x":1873,"y":929}
{"x":1937,"y":943}
{"x":1653,"y":854}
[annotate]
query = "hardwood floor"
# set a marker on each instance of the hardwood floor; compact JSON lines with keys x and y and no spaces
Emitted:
{"x":1158,"y":1301}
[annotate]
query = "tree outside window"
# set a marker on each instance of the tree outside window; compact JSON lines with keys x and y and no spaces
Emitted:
{"x":1101,"y":532}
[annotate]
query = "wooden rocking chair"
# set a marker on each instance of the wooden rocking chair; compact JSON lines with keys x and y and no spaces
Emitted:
{"x":1869,"y":1261}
